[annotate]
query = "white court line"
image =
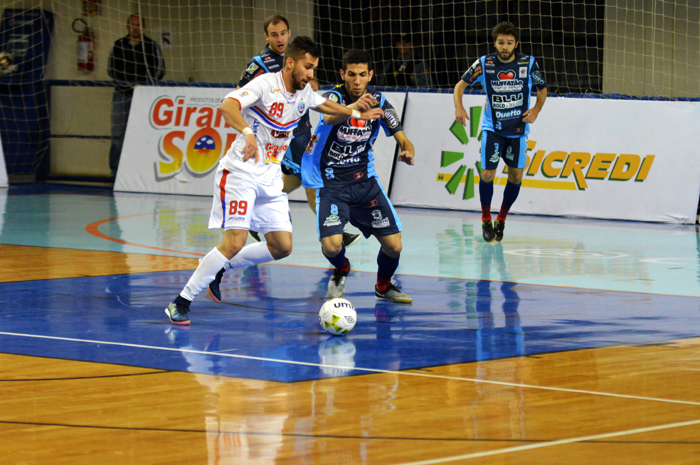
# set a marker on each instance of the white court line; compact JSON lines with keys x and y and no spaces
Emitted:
{"x":508,"y":450}
{"x":343,"y":367}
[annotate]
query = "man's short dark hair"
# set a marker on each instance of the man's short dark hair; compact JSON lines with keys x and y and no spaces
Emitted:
{"x":142,"y":22}
{"x":274,"y":19}
{"x":356,"y":57}
{"x":506,"y":29}
{"x":300,"y":46}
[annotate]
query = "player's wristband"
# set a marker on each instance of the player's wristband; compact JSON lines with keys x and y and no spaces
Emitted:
{"x":355,"y":114}
{"x":247,"y":131}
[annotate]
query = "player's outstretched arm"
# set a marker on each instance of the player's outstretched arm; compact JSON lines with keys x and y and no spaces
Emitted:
{"x":231,"y":110}
{"x":531,"y":115}
{"x":460,"y":113}
{"x":407,"y":150}
{"x":363,"y":103}
{"x":335,"y":109}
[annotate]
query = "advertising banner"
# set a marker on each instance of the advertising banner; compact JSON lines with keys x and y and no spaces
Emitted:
{"x":3,"y":169}
{"x":176,"y":136}
{"x":595,"y":158}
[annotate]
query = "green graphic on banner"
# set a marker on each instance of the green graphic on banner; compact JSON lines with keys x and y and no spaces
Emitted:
{"x":448,"y":157}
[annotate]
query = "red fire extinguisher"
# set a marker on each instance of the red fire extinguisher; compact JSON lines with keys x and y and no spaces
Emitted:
{"x":86,"y":46}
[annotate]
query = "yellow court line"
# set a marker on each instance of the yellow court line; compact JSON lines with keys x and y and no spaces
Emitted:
{"x":533,"y":183}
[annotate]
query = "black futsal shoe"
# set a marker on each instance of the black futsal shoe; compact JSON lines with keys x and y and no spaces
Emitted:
{"x":487,"y":231}
{"x":350,"y":239}
{"x":178,"y":313}
{"x":498,"y":227}
{"x":213,"y":287}
{"x":254,"y":235}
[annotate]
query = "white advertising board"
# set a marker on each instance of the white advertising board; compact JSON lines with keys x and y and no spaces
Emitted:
{"x":3,"y":170}
{"x":611,"y":159}
{"x":176,"y":136}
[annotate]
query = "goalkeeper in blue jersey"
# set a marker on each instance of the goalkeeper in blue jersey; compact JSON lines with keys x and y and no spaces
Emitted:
{"x":508,"y":79}
{"x":339,"y":164}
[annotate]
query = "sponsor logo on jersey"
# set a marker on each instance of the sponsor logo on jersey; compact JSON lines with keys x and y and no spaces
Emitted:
{"x":312,"y":144}
{"x":506,"y":75}
{"x":391,"y":118}
{"x":504,"y":102}
{"x":268,"y":58}
{"x":510,"y":85}
{"x":508,"y":114}
{"x":332,"y":220}
{"x":378,"y":221}
{"x":274,"y":153}
{"x":252,"y":68}
{"x":522,"y":72}
{"x":333,"y":97}
{"x":537,"y":77}
{"x":279,"y":134}
{"x":357,"y":123}
{"x":350,"y":135}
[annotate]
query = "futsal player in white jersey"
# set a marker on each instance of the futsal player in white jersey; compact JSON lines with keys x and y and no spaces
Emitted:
{"x":248,"y":182}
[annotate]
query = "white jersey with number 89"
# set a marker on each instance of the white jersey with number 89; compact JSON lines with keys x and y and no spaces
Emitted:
{"x":272,"y":112}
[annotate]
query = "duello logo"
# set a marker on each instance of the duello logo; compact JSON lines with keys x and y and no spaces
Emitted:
{"x":558,"y":169}
{"x":195,"y":135}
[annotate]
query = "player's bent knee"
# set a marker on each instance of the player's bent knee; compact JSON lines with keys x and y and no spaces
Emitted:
{"x":487,"y":175}
{"x":279,"y":244}
{"x":331,"y":246}
{"x":280,"y":252}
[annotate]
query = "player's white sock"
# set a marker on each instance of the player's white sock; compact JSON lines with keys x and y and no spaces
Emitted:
{"x":250,"y":255}
{"x":204,"y":274}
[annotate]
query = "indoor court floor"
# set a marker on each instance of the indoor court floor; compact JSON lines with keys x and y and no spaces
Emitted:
{"x":573,"y":341}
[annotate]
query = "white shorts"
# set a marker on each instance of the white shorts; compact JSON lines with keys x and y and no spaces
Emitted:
{"x":241,"y":203}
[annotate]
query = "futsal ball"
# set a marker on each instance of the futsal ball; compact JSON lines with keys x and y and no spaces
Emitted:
{"x":337,"y":316}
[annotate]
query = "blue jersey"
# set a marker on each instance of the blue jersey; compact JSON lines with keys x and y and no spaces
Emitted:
{"x":341,"y":155}
{"x":270,"y":62}
{"x":508,"y":87}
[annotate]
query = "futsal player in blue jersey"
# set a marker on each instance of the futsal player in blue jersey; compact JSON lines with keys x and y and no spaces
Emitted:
{"x":339,"y":164}
{"x":508,"y":79}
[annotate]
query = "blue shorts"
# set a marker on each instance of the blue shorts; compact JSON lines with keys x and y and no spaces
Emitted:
{"x":511,"y":149}
{"x":364,"y":204}
{"x":291,"y":163}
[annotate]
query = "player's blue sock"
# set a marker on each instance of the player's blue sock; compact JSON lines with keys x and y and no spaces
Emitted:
{"x":485,"y":196}
{"x":339,"y":260}
{"x":386,"y":268}
{"x":509,"y":195}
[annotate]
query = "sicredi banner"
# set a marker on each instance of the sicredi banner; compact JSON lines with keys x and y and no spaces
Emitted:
{"x":595,"y":158}
{"x":176,"y":136}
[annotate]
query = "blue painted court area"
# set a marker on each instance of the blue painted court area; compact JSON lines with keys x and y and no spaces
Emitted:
{"x":553,"y":284}
{"x":268,"y":333}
